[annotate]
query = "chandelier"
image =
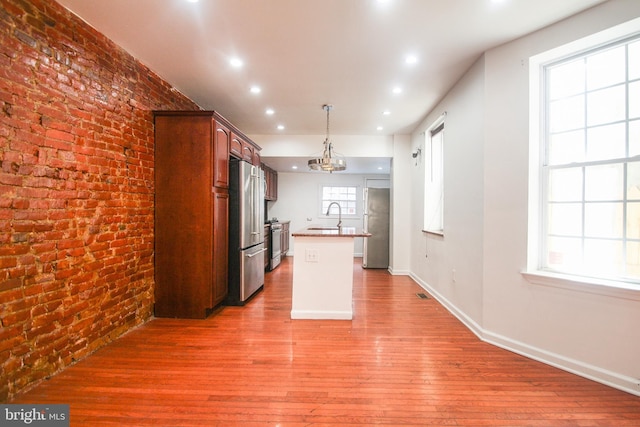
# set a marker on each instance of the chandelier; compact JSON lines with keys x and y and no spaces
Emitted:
{"x":330,"y":160}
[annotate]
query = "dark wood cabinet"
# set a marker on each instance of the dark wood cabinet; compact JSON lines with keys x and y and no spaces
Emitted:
{"x":271,"y":178}
{"x":284,"y":239}
{"x":235,"y":146}
{"x":191,"y":212}
{"x":222,"y":139}
{"x":242,"y":148}
{"x":267,"y":244}
{"x":220,"y":254}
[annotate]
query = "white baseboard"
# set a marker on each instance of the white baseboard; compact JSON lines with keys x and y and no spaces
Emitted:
{"x":323,"y":315}
{"x":612,"y":379}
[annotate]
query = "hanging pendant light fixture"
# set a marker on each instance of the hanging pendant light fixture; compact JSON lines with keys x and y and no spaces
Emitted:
{"x":330,"y":160}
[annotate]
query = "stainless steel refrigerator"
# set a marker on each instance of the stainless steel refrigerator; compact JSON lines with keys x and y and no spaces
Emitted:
{"x":376,"y":222}
{"x":246,"y":231}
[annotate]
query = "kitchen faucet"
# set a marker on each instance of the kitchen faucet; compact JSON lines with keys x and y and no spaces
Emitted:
{"x":339,"y":212}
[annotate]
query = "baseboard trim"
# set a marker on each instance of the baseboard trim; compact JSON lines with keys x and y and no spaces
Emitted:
{"x":612,"y":379}
{"x":321,"y":315}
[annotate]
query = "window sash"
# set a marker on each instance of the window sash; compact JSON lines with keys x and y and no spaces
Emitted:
{"x":590,"y":166}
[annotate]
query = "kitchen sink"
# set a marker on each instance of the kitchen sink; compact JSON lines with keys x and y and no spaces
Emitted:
{"x":322,"y":228}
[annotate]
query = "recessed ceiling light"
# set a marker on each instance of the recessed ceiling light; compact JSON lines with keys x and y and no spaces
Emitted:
{"x":294,"y":167}
{"x":269,"y":112}
{"x":192,"y":1}
{"x":411,"y":59}
{"x":280,"y":127}
{"x":236,"y":62}
{"x":255,"y":89}
{"x":386,"y":112}
{"x":379,"y":168}
{"x":379,"y":128}
{"x":397,"y":90}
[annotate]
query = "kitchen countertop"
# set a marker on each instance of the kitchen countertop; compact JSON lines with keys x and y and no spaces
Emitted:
{"x":328,"y":231}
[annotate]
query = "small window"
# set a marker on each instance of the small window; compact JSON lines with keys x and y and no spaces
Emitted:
{"x":346,"y":197}
{"x":434,"y":179}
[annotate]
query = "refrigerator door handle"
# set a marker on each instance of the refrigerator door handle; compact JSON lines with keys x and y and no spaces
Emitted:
{"x":256,"y":253}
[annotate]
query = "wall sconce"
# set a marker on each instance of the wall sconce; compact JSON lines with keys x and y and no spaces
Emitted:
{"x":416,"y":154}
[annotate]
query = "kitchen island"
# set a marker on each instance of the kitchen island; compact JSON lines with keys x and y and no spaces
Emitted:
{"x":323,"y":272}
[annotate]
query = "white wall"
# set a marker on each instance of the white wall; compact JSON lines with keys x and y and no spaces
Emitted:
{"x":486,"y":213}
{"x":452,"y":264}
{"x":400,"y":215}
{"x":485,"y":241}
{"x":299,"y":201}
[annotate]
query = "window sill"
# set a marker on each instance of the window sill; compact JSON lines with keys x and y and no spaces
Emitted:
{"x":434,"y":233}
{"x":607,"y":288}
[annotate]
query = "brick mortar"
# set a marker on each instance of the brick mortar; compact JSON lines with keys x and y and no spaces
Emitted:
{"x":76,"y":190}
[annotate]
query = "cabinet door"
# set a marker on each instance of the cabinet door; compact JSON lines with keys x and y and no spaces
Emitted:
{"x":256,"y":157}
{"x":220,"y":246}
{"x":222,"y":138}
{"x":274,"y":185}
{"x":247,"y":151}
{"x":267,"y":244}
{"x":235,"y":146}
{"x":284,"y":239}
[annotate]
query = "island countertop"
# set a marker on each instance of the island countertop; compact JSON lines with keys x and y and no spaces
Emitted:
{"x":328,"y":231}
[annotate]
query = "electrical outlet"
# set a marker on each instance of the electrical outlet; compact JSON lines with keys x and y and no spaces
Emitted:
{"x":311,"y":255}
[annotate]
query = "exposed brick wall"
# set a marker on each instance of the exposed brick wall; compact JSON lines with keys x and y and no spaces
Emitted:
{"x":76,"y":190}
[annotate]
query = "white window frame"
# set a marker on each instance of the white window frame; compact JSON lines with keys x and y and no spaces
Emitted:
{"x":535,"y":271}
{"x":433,"y":221}
{"x":354,"y":189}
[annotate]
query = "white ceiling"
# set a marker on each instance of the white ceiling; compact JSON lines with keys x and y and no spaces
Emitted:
{"x":306,"y":53}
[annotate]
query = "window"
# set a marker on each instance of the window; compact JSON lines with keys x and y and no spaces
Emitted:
{"x":434,"y":178}
{"x":345,"y":196}
{"x":590,"y":164}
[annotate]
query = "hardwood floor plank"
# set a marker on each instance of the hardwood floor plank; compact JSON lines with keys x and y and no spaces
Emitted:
{"x":402,"y":360}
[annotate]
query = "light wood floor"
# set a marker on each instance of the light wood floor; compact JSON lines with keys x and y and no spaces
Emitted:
{"x":402,"y":361}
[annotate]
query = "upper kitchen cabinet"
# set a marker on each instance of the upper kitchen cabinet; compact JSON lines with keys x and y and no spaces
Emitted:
{"x":222,"y":139}
{"x":242,"y":148}
{"x":271,"y":177}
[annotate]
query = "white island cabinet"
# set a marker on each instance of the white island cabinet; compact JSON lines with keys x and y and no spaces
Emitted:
{"x":323,"y":273}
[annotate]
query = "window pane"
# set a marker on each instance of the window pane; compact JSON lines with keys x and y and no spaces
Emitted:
{"x":566,"y":147}
{"x":603,"y":220}
{"x":603,"y":258}
{"x":606,"y":106}
{"x":565,"y":185}
{"x":633,"y":221}
{"x":633,"y":259}
{"x":564,"y":254}
{"x":345,"y":196}
{"x":566,"y":114}
{"x":633,"y":181}
{"x":634,"y":60}
{"x":634,"y":138}
{"x":566,"y":79}
{"x":565,"y":219}
{"x":604,"y":182}
{"x":606,"y":68}
{"x":634,"y":100}
{"x":606,"y":142}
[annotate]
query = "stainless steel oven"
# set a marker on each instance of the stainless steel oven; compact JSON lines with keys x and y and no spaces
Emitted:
{"x":276,"y":232}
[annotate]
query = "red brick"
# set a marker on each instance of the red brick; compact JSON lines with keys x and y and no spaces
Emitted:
{"x":77,"y":207}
